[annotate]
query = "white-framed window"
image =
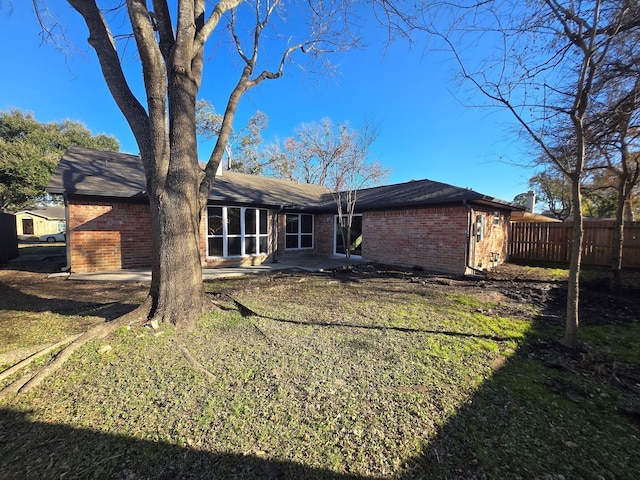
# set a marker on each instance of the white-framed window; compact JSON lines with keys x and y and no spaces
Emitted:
{"x":496,"y":218}
{"x":298,"y":231}
{"x":237,"y":231}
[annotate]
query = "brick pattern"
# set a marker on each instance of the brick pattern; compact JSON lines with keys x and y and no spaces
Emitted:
{"x":323,"y":233}
{"x":431,"y":238}
{"x":108,"y":236}
{"x":114,"y":235}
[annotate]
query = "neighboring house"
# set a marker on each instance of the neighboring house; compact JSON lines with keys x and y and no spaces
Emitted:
{"x":532,"y":217}
{"x":251,"y":219}
{"x":36,"y":222}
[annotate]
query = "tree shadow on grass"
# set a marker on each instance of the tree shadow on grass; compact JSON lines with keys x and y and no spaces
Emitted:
{"x":548,"y":412}
{"x":12,"y":298}
{"x":36,"y":450}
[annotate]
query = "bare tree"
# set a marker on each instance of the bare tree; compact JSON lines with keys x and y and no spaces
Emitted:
{"x":243,"y":146}
{"x":335,"y":156}
{"x":312,"y":154}
{"x":170,"y":43}
{"x":539,"y":61}
{"x":352,"y":172}
{"x":615,"y":133}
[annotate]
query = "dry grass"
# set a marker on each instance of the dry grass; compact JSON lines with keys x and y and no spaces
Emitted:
{"x":380,"y":375}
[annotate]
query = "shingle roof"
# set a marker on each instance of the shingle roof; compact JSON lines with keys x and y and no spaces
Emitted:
{"x":422,"y":192}
{"x":55,"y":212}
{"x":83,"y":171}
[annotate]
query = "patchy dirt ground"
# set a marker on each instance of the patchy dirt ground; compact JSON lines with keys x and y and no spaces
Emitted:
{"x":515,"y":290}
{"x":302,"y":353}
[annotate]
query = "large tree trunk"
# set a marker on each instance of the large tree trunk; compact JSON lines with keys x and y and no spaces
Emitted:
{"x":177,"y":205}
{"x":176,"y":289}
{"x":573,"y":294}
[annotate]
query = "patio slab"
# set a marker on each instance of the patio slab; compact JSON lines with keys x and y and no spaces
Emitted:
{"x":308,"y":262}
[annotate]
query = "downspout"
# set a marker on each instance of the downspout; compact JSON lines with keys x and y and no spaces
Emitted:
{"x":470,"y":242}
{"x":67,"y":267}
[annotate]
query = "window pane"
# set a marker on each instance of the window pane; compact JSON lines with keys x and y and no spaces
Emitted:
{"x":264,"y":221}
{"x":292,"y":241}
{"x":215,"y":247}
{"x":307,"y":241}
{"x":292,"y":223}
{"x":233,"y":221}
{"x":307,"y":224}
{"x":264,"y":244}
{"x":214,"y":220}
{"x":250,"y":245}
{"x":250,"y":221}
{"x":235,"y":246}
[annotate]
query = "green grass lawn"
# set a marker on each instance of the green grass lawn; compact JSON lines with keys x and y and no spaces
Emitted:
{"x":382,"y":378}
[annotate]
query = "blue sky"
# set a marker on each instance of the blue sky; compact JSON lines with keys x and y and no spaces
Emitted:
{"x":425,"y":130}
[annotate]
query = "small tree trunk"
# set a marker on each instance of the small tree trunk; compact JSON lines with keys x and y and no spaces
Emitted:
{"x":616,"y":262}
{"x":573,"y":295}
{"x":347,"y":243}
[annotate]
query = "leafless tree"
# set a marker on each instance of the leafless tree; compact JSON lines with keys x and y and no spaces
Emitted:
{"x":538,"y":60}
{"x":335,"y":156}
{"x":243,"y":144}
{"x":614,"y":129}
{"x":170,"y":39}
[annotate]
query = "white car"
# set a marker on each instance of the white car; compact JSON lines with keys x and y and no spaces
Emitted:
{"x":54,"y":237}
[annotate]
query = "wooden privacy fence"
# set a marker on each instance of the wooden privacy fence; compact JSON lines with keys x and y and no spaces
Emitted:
{"x":551,"y":242}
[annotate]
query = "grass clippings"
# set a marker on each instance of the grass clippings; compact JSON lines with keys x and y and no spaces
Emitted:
{"x":363,"y":375}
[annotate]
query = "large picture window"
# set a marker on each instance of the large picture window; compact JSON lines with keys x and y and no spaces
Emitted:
{"x":299,"y":231}
{"x":237,"y":231}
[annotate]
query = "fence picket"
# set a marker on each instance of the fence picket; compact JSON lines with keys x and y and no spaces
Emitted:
{"x":552,"y":242}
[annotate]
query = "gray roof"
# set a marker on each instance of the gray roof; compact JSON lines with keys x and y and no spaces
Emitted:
{"x":54,"y":212}
{"x":423,"y":192}
{"x":84,"y":171}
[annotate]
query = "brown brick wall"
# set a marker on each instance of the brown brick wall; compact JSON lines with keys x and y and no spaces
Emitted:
{"x":323,"y":233}
{"x":108,"y":236}
{"x":114,"y":235}
{"x":431,"y":238}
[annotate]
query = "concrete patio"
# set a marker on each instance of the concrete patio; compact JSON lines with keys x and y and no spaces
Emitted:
{"x":311,"y":262}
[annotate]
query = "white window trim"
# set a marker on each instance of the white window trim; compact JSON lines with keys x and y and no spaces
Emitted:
{"x":242,"y":236}
{"x":299,"y":234}
{"x":335,"y":236}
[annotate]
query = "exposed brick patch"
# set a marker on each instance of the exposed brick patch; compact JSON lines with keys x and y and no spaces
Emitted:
{"x":108,"y":236}
{"x":432,"y":238}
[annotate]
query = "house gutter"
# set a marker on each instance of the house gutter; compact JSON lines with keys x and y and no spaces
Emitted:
{"x":470,"y":243}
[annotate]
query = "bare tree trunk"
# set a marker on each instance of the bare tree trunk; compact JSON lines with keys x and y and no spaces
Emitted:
{"x":177,"y":205}
{"x":616,"y":263}
{"x":177,"y":290}
{"x":573,"y":294}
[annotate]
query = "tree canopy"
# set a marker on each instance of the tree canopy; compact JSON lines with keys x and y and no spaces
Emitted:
{"x":30,"y":151}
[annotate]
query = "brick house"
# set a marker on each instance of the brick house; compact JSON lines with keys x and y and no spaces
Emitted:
{"x":251,"y":219}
